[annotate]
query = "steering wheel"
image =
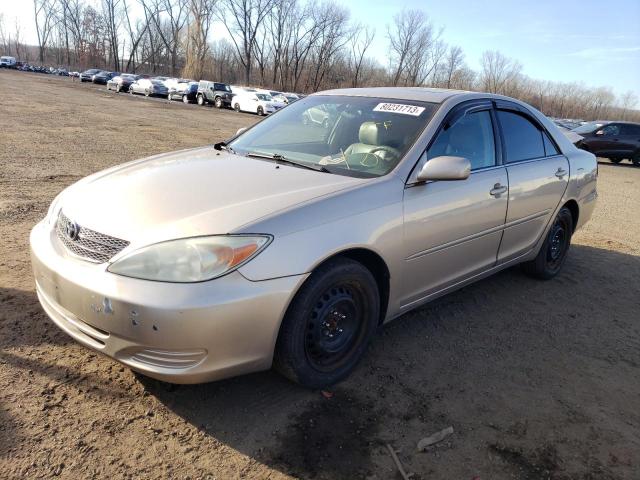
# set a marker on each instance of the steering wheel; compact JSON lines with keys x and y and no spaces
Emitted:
{"x":392,"y":152}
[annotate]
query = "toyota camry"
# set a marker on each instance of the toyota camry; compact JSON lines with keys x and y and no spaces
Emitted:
{"x":291,"y":243}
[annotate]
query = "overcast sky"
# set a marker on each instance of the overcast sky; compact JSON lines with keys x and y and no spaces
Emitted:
{"x":592,"y":41}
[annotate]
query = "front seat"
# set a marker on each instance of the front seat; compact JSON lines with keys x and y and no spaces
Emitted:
{"x":374,"y":138}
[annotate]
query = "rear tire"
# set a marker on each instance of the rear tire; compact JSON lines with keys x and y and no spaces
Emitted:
{"x":201,"y":101}
{"x":260,"y":111}
{"x":636,"y":159}
{"x":236,"y":107}
{"x":615,"y":160}
{"x":553,"y":252}
{"x":328,"y":325}
{"x":185,"y":99}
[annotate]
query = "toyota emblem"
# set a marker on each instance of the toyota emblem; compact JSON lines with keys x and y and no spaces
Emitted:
{"x":72,"y":230}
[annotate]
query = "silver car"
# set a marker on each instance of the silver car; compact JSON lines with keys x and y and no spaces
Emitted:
{"x":290,"y":244}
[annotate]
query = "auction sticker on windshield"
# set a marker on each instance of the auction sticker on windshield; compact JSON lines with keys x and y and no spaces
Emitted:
{"x":399,"y":108}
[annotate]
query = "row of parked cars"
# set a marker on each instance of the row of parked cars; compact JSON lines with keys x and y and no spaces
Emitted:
{"x":203,"y":92}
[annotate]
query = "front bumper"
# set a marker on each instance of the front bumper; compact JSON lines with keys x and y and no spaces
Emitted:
{"x":179,"y":333}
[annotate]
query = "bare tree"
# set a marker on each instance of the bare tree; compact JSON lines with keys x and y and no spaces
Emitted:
{"x":111,"y":12}
{"x":177,"y":12}
{"x":202,"y":12}
{"x":45,"y":18}
{"x":333,"y":34}
{"x":415,"y":46}
{"x":361,"y":40}
{"x":453,"y":61}
{"x":243,"y":19}
{"x":628,"y":101}
{"x":498,"y":71}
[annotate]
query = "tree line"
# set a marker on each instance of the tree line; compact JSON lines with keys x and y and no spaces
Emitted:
{"x":290,"y":45}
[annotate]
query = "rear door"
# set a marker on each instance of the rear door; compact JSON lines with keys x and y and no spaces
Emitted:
{"x":538,"y":177}
{"x":629,"y":140}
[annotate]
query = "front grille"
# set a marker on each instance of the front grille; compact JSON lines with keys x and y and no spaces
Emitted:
{"x":88,"y":244}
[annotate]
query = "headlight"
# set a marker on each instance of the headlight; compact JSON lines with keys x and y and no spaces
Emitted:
{"x":190,"y":259}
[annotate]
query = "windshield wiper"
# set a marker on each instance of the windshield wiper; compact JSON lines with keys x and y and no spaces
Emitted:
{"x":281,"y":159}
{"x":223,"y":146}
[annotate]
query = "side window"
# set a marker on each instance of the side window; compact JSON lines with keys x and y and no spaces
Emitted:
{"x":470,"y":137}
{"x":611,"y":130}
{"x":549,"y":147}
{"x":522,"y":139}
{"x":631,"y":130}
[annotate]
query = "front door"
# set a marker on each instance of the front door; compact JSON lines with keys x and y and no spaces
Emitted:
{"x":453,"y":229}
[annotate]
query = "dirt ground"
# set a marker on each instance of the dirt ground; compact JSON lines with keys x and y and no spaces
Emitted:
{"x":538,"y":379}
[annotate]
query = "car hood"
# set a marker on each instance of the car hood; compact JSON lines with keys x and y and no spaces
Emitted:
{"x":190,"y":193}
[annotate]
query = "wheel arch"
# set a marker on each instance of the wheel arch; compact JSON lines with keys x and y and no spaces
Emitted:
{"x":573,"y":207}
{"x":372,"y":262}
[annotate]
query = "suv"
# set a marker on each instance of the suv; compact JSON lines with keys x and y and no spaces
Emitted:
{"x":214,"y":92}
{"x":613,"y":140}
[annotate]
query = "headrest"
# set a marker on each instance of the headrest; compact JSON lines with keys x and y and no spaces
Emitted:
{"x":372,"y":133}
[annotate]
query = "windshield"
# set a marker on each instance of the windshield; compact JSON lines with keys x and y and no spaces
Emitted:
{"x":588,"y":127}
{"x":356,"y":136}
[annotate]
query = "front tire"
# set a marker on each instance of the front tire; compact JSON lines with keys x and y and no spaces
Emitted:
{"x":615,"y":160}
{"x":201,"y":100}
{"x":236,"y":107}
{"x":553,"y":252}
{"x":328,"y":325}
{"x":218,"y":102}
{"x":260,"y":111}
{"x":636,"y":159}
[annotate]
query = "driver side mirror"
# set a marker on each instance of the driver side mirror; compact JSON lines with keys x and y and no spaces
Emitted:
{"x":445,"y":168}
{"x":600,"y":132}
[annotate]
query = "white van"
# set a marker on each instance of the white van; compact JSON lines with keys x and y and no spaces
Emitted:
{"x":7,"y":61}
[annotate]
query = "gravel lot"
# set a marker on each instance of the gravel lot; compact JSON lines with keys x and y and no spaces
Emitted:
{"x":538,"y":379}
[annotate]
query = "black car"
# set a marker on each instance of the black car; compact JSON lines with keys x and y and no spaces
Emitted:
{"x":103,"y":77}
{"x":187,"y":93}
{"x":613,"y":140}
{"x":122,"y":82}
{"x":87,"y":75}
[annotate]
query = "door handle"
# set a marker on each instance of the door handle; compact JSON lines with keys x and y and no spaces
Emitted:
{"x":561,"y":173}
{"x":498,"y":190}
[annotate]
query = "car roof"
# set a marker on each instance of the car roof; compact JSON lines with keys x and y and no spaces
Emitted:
{"x":433,"y":95}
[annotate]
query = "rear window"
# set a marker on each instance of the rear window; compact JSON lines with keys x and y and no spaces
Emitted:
{"x":522,"y":139}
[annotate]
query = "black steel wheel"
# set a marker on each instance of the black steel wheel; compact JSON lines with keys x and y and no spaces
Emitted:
{"x":555,"y":248}
{"x":329,"y":324}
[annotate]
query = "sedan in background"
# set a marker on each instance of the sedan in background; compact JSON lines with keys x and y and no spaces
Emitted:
{"x":613,"y":140}
{"x":149,"y":87}
{"x":255,"y":102}
{"x":291,"y":244}
{"x":103,"y":77}
{"x":122,"y":82}
{"x":187,"y":92}
{"x":87,"y":75}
